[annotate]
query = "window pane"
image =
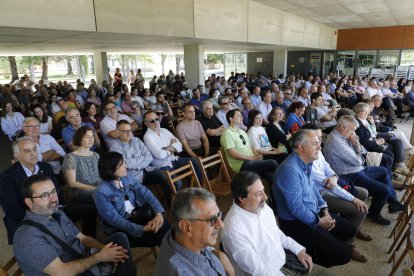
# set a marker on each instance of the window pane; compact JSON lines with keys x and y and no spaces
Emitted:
{"x":388,"y":57}
{"x":345,"y":62}
{"x":367,"y":58}
{"x":407,"y":58}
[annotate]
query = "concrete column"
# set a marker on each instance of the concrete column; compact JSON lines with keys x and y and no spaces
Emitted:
{"x":280,"y":62}
{"x":101,"y":67}
{"x":194,"y":65}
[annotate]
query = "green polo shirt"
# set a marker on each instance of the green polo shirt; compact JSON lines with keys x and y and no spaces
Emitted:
{"x":231,"y":139}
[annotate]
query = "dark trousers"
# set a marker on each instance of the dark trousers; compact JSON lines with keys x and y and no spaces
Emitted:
{"x":387,"y":160}
{"x":128,"y":267}
{"x":327,"y":248}
{"x":158,"y":177}
{"x":377,"y":180}
{"x":264,"y":168}
{"x":397,"y":148}
{"x":82,"y":207}
{"x":149,"y":239}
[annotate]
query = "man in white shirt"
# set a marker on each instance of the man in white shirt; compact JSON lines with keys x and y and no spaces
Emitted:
{"x":251,"y":238}
{"x":163,"y":146}
{"x":108,"y":124}
{"x":265,"y":107}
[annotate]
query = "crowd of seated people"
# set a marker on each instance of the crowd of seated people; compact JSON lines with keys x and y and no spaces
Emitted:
{"x":258,"y":121}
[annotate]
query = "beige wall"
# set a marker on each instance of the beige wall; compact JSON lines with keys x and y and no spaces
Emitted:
{"x":76,"y":15}
{"x":230,"y":20}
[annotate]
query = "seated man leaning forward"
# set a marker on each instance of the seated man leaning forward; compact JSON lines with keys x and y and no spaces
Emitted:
{"x":251,"y":237}
{"x":188,"y":248}
{"x":64,"y":252}
{"x":302,"y":211}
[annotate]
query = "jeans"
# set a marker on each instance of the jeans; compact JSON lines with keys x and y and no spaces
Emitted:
{"x":377,"y":180}
{"x":264,"y":168}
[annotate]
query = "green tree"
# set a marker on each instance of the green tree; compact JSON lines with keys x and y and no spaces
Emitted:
{"x":215,"y":58}
{"x":178,"y":59}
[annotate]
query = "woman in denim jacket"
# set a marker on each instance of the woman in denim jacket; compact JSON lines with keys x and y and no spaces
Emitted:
{"x":125,"y":205}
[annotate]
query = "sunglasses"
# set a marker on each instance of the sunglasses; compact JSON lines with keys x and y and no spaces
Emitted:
{"x":159,"y":113}
{"x":153,"y":120}
{"x":243,"y":140}
{"x":212,"y":220}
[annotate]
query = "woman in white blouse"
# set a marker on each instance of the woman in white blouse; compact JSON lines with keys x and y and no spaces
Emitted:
{"x":11,"y":122}
{"x":45,"y":120}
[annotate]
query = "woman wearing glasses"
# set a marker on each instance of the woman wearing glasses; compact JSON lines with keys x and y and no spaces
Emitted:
{"x":81,"y":172}
{"x":125,"y":205}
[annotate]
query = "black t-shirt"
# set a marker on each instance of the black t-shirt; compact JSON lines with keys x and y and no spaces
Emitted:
{"x":212,"y":123}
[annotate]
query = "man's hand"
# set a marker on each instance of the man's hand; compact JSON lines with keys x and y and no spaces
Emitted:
{"x":360,"y":205}
{"x":330,"y":182}
{"x":306,"y":260}
{"x":353,"y":138}
{"x":380,"y":141}
{"x":326,"y":222}
{"x":256,"y":157}
{"x":112,"y":253}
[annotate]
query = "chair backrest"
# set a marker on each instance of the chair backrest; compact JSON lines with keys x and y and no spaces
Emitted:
{"x":181,"y":173}
{"x":4,"y":270}
{"x":219,"y":185}
{"x":226,"y":162}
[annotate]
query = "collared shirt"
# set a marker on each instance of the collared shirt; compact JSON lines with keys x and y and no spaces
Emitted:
{"x":235,"y":138}
{"x":11,"y":125}
{"x":68,"y":131}
{"x":35,"y":250}
{"x":256,"y":100}
{"x":29,"y":172}
{"x":174,"y":259}
{"x":136,"y":156}
{"x":108,"y":124}
{"x":157,"y":144}
{"x":295,"y":193}
{"x":320,"y":171}
{"x":265,"y":109}
{"x":305,"y":101}
{"x":221,"y":116}
{"x":341,"y":155}
{"x":47,"y":143}
{"x":320,"y":112}
{"x":255,"y":243}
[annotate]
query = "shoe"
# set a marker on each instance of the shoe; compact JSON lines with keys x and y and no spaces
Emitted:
{"x":378,"y":219}
{"x":363,"y":236}
{"x":401,"y":170}
{"x":400,"y":188}
{"x":395,"y":207}
{"x":357,"y":256}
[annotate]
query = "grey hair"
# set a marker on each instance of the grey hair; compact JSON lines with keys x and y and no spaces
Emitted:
{"x":375,"y":96}
{"x":69,"y":110}
{"x":347,"y":121}
{"x":204,"y":103}
{"x":359,"y":107}
{"x":183,"y":205}
{"x":301,"y":137}
{"x":15,"y":145}
{"x":28,"y":119}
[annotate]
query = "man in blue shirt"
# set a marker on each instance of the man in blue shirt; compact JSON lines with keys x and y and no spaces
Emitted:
{"x":302,"y":211}
{"x":188,"y":248}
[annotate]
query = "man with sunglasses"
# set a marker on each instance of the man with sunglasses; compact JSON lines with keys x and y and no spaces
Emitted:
{"x":48,"y":230}
{"x":238,"y":151}
{"x":188,"y":248}
{"x":251,"y":237}
{"x":164,"y":146}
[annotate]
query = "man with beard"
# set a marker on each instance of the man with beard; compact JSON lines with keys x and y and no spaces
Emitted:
{"x":49,"y":231}
{"x":251,"y":237}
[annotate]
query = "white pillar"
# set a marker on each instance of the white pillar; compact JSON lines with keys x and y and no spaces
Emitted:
{"x":101,"y":67}
{"x":280,"y":62}
{"x":194,"y":65}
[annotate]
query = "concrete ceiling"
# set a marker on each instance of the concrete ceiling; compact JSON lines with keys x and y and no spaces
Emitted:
{"x":348,"y":14}
{"x":338,"y":14}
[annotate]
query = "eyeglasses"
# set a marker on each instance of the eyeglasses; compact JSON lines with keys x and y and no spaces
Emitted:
{"x":288,"y":93}
{"x":159,"y":113}
{"x":153,"y":120}
{"x":243,"y":140}
{"x":212,"y":220}
{"x":125,"y":131}
{"x":47,"y":195}
{"x":32,"y":126}
{"x":224,"y":103}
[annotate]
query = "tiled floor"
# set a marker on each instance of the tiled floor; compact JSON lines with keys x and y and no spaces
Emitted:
{"x":375,"y":250}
